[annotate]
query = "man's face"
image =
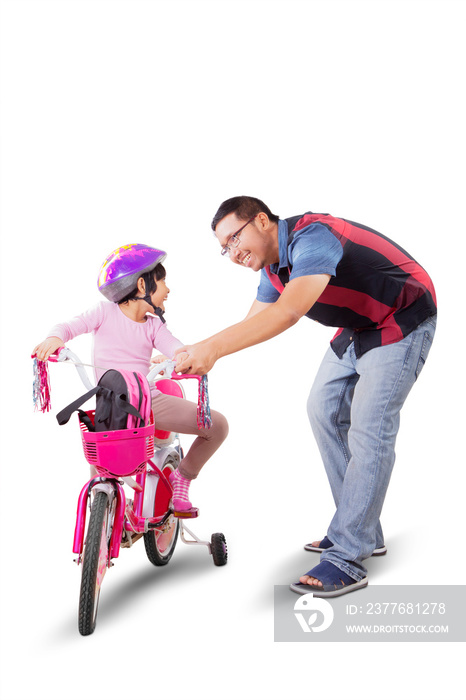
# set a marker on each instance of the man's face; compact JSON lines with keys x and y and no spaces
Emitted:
{"x":253,"y":243}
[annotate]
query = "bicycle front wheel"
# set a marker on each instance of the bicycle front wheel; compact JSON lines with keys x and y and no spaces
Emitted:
{"x":160,"y":544}
{"x":95,"y":561}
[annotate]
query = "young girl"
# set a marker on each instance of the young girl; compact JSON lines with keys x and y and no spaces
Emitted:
{"x":132,"y":278}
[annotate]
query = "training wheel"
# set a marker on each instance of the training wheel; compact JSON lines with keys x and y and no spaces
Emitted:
{"x":219,"y":549}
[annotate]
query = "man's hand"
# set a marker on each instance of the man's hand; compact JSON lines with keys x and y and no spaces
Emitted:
{"x":195,"y":359}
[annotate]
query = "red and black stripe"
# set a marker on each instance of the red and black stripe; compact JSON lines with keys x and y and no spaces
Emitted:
{"x":379,"y":293}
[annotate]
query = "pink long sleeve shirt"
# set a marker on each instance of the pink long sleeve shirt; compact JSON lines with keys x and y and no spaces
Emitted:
{"x":119,"y":342}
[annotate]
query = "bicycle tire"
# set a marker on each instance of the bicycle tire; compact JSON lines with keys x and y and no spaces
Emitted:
{"x":95,"y":562}
{"x":219,"y":549}
{"x":161,"y":545}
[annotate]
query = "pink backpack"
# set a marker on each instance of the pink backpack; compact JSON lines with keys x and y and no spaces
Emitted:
{"x":123,"y":401}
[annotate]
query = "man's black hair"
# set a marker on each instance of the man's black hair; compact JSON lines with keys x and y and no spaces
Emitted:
{"x":244,"y":207}
{"x":150,"y":281}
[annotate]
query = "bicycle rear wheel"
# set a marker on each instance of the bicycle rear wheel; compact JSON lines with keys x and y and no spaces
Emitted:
{"x":95,"y":561}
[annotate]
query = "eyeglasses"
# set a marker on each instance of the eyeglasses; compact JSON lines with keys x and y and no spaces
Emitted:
{"x":233,"y":241}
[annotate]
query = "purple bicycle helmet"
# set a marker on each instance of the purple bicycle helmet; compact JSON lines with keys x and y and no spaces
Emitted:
{"x":123,"y":267}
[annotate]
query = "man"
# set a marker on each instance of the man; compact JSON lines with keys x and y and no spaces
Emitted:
{"x":346,"y":275}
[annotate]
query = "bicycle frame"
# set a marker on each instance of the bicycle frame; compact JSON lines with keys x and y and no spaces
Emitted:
{"x":129,"y":519}
{"x":135,"y":521}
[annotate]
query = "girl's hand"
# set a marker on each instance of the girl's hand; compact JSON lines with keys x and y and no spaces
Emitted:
{"x":158,"y":359}
{"x":180,"y":357}
{"x":48,"y":347}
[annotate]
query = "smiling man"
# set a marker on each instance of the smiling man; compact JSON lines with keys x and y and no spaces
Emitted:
{"x":382,"y":301}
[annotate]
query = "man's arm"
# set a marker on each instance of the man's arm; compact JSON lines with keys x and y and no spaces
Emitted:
{"x":264,"y":321}
{"x":256,"y":307}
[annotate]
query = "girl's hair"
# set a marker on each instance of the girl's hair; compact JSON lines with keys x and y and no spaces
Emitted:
{"x":150,"y":282}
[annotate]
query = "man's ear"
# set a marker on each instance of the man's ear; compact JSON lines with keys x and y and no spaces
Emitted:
{"x":141,"y":286}
{"x":263,"y":221}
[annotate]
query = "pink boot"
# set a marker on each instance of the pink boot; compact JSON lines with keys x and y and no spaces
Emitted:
{"x":182,"y":506}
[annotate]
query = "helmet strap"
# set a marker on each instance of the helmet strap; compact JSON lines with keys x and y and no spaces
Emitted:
{"x":157,"y":310}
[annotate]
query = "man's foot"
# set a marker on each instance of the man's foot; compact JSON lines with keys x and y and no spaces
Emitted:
{"x":310,"y":581}
{"x":327,"y":581}
{"x":322,"y":545}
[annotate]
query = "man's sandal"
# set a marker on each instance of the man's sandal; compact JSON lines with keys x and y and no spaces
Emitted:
{"x":335,"y":582}
{"x":325,"y":544}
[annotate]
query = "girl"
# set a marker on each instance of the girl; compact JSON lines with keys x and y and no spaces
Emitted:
{"x":132,"y":278}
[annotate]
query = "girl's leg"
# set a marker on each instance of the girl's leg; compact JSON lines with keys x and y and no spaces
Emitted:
{"x":180,"y":416}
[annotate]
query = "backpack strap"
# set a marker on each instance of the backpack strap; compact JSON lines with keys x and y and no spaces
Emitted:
{"x":140,"y":393}
{"x":65,"y":414}
{"x":84,"y":418}
{"x":128,"y":408}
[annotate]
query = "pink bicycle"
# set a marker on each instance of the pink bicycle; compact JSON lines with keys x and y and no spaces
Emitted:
{"x":143,"y":460}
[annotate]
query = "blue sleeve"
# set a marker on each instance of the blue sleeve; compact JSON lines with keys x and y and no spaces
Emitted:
{"x":314,"y":251}
{"x":266,"y":292}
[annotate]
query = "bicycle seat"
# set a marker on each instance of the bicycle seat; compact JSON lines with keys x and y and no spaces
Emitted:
{"x":170,"y":387}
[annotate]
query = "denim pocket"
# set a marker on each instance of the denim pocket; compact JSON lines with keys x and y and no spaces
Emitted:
{"x":426,"y":345}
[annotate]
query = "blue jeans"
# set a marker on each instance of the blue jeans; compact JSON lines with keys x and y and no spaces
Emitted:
{"x":354,"y":409}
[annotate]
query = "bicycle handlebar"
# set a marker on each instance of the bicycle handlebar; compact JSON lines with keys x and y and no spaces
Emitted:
{"x":167,"y":367}
{"x":41,"y":387}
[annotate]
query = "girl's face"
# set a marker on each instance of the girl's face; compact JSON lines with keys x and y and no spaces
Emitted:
{"x":160,"y":295}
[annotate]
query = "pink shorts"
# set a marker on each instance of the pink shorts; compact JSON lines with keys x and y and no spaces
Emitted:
{"x":180,"y":416}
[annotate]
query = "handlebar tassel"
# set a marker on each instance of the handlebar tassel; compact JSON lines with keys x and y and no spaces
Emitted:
{"x":204,"y":419}
{"x":41,"y":386}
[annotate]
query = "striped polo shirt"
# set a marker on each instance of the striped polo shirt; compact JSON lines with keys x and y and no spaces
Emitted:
{"x":377,"y":293}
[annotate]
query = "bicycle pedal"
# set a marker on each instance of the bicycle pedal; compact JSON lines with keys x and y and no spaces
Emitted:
{"x":184,"y":514}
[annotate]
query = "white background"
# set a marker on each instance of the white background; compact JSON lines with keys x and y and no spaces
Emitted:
{"x":131,"y":121}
